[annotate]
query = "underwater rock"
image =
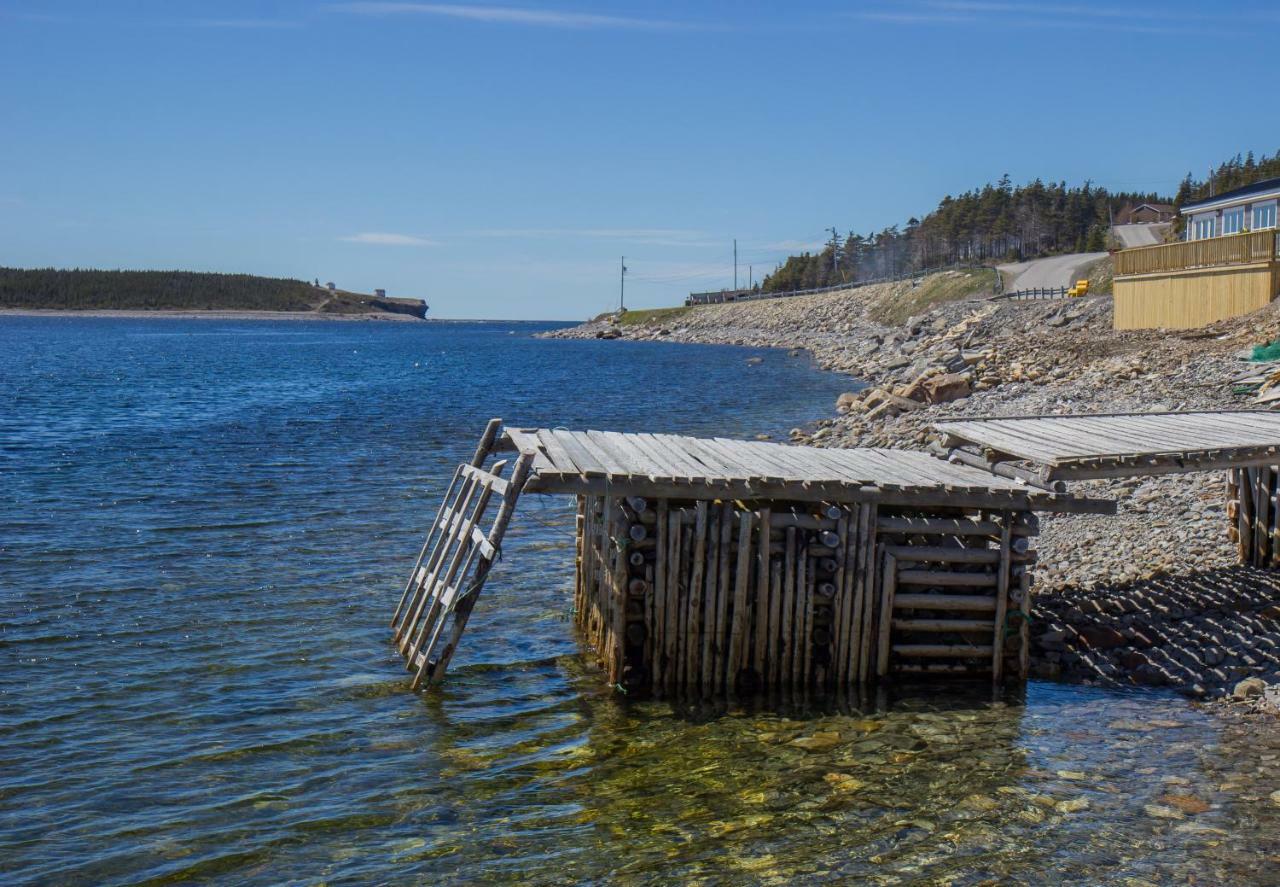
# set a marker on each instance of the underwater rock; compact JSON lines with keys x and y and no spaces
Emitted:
{"x":819,"y":741}
{"x":1072,"y":805}
{"x":1186,"y":803}
{"x":1159,"y":811}
{"x":843,"y":782}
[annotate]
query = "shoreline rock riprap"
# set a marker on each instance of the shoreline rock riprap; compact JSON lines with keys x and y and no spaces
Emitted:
{"x":1202,"y":624}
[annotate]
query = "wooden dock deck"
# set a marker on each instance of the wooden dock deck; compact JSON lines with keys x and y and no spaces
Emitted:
{"x":714,"y":566}
{"x":1243,"y":443}
{"x":600,"y":462}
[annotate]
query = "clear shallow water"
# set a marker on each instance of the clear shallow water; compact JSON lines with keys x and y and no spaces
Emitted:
{"x":204,"y":527}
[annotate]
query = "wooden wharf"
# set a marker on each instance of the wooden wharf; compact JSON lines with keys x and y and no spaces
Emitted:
{"x":710,"y":566}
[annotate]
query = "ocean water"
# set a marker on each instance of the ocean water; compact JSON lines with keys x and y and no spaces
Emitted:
{"x":205,"y":527}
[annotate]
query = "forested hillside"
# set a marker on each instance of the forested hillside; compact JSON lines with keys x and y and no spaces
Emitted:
{"x":999,"y":222}
{"x":85,"y":290}
{"x":995,"y":223}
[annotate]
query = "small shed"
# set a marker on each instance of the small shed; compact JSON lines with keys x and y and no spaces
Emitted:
{"x":713,"y":566}
{"x":1146,"y":213}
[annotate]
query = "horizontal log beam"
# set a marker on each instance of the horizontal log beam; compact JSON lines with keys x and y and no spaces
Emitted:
{"x":944,"y":625}
{"x":944,"y":578}
{"x":963,"y":603}
{"x":944,"y":555}
{"x":943,"y":651}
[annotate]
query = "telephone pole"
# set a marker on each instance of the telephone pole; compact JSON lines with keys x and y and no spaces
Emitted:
{"x":751,"y":276}
{"x":735,"y":263}
{"x":622,"y":286}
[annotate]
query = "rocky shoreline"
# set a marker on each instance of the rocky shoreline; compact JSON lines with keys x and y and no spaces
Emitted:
{"x":211,"y":314}
{"x":1153,"y":596}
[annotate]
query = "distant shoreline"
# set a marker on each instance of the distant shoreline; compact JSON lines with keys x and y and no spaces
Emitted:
{"x":212,"y":314}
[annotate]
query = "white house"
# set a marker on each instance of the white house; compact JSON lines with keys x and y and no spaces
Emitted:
{"x":1251,"y":208}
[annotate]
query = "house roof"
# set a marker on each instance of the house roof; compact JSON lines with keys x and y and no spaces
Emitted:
{"x":1158,"y":207}
{"x":1266,"y":186}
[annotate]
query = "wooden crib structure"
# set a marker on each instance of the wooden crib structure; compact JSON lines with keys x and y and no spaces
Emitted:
{"x":717,"y":566}
{"x":712,"y":566}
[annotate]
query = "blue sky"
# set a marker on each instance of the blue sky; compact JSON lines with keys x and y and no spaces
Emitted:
{"x":497,"y":160}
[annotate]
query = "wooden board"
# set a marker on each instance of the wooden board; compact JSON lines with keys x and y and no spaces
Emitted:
{"x":1127,"y":444}
{"x":596,"y":463}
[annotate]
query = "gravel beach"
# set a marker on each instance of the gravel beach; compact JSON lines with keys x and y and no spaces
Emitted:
{"x":1152,"y":596}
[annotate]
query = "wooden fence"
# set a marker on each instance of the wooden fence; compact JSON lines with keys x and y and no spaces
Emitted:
{"x":1233,"y":249}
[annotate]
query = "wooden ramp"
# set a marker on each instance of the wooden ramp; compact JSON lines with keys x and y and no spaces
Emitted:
{"x":454,"y":562}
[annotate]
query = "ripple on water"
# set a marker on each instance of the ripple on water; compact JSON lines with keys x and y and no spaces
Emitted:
{"x":203,"y":528}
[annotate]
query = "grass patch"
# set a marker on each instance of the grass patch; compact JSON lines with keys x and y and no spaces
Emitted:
{"x":651,"y":316}
{"x":949,"y":286}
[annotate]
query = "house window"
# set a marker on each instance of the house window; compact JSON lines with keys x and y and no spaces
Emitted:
{"x":1233,"y":221}
{"x":1204,"y":227}
{"x":1264,"y":216}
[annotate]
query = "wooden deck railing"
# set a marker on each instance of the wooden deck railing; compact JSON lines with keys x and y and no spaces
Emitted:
{"x":1233,"y":249}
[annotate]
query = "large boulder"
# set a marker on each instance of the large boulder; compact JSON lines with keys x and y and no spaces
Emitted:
{"x":946,"y":388}
{"x":846,"y":402}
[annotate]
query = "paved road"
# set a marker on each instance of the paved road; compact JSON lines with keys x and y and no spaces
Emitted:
{"x":1044,"y":273}
{"x":1140,"y":235}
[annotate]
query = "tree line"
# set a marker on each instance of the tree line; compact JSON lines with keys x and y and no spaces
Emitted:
{"x":149,"y":290}
{"x":1237,"y":172}
{"x":998,"y":222}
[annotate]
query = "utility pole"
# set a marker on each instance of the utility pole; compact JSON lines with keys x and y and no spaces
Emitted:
{"x":751,"y":277}
{"x":735,"y":263}
{"x":622,"y":286}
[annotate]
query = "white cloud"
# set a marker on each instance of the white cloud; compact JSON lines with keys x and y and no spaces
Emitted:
{"x":1133,"y":18}
{"x":509,"y":15}
{"x":383,"y":238}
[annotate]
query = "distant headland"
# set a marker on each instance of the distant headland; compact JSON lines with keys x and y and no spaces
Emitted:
{"x":190,"y":293}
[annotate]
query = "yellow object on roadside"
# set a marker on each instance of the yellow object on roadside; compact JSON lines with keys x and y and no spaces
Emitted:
{"x":1080,"y":289}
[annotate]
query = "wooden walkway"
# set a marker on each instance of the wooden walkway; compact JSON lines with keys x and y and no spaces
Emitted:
{"x":607,"y":462}
{"x":1121,"y":444}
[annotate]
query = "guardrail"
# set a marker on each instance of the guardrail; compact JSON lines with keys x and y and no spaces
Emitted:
{"x":722,"y":296}
{"x":1230,"y":249}
{"x":1039,"y":292}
